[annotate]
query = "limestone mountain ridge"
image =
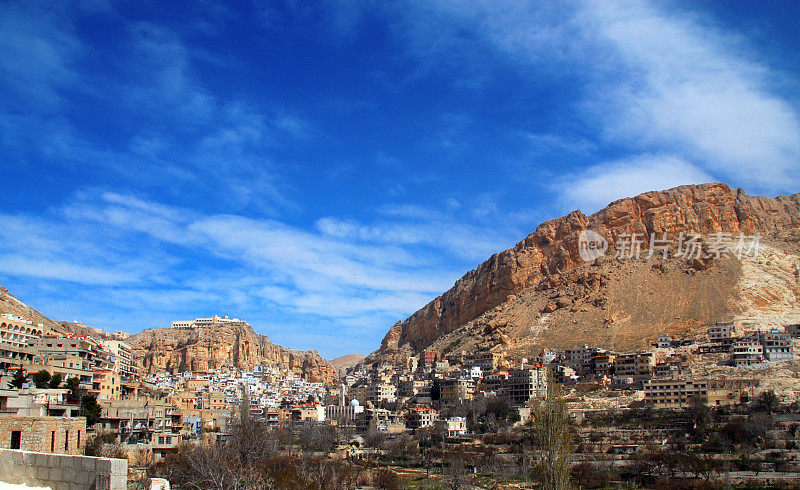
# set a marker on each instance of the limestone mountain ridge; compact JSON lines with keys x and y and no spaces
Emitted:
{"x":540,"y":293}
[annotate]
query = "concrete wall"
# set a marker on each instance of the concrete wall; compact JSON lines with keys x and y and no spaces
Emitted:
{"x":61,"y":471}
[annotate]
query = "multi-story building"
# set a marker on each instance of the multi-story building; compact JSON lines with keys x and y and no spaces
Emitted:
{"x":38,"y":402}
{"x":637,"y":365}
{"x":147,"y":423}
{"x":583,"y":359}
{"x":487,"y":361}
{"x":526,"y":383}
{"x":747,"y":351}
{"x":123,"y":357}
{"x":457,"y":390}
{"x":674,"y":393}
{"x":202,"y":322}
{"x":603,"y":364}
{"x":84,"y":347}
{"x":777,"y":346}
{"x":428,"y":357}
{"x":664,"y":341}
{"x":16,"y":334}
{"x":721,"y":333}
{"x":419,"y":417}
{"x":106,"y":385}
{"x":377,"y":392}
{"x":453,"y":426}
{"x":667,"y":369}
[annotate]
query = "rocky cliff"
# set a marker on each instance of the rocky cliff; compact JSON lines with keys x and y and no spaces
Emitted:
{"x":541,"y":292}
{"x":10,"y":304}
{"x":223,"y":345}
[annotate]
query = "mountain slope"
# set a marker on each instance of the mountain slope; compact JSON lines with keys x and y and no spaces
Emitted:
{"x":11,"y":304}
{"x":344,"y":363}
{"x":541,"y":293}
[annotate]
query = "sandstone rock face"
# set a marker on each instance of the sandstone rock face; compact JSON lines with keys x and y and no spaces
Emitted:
{"x":223,"y":345}
{"x":545,"y":257}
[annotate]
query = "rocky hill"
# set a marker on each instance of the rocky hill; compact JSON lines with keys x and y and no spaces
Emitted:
{"x":199,"y":349}
{"x":540,"y":293}
{"x":223,"y":345}
{"x":344,"y":363}
{"x":11,"y":304}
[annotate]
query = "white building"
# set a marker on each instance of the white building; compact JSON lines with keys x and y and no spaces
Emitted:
{"x":453,"y":426}
{"x":203,"y":322}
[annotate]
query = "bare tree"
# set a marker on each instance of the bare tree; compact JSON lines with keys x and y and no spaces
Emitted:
{"x":553,"y":439}
{"x":454,"y":470}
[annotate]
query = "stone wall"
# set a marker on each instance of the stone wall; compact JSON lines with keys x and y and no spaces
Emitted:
{"x":62,"y":471}
{"x":63,"y":435}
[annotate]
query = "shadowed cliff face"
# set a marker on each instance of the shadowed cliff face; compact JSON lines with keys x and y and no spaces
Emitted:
{"x":224,"y":345}
{"x":552,"y":250}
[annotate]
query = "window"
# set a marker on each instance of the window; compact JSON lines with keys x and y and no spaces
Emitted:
{"x":79,"y":438}
{"x":53,"y":441}
{"x":66,"y":441}
{"x":16,"y":439}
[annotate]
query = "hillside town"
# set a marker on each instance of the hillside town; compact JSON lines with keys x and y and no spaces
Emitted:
{"x":78,"y":393}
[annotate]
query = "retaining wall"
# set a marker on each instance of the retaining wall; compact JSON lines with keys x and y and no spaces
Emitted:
{"x":62,"y":471}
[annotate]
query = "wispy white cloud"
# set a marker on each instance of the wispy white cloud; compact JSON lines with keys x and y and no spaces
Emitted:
{"x":694,"y":89}
{"x":597,"y":186}
{"x":131,"y":251}
{"x":649,"y":80}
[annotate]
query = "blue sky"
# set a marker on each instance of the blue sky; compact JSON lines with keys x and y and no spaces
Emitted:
{"x":322,"y":169}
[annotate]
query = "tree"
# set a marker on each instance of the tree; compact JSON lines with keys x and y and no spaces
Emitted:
{"x":55,"y":381}
{"x":455,"y":470}
{"x":91,"y":410}
{"x":73,"y":384}
{"x":41,"y":379}
{"x":699,"y":413}
{"x":20,"y":378}
{"x":386,"y":479}
{"x":767,"y":401}
{"x":553,"y":438}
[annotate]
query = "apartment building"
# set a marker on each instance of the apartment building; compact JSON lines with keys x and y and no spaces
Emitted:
{"x":777,"y":346}
{"x":16,"y":334}
{"x":85,"y":348}
{"x":603,"y":364}
{"x":637,"y":365}
{"x":487,"y":361}
{"x":377,"y":392}
{"x":747,"y":351}
{"x":721,"y":333}
{"x":525,"y":384}
{"x":455,"y":391}
{"x":124,"y":359}
{"x":676,"y":393}
{"x":106,"y":385}
{"x":428,"y":357}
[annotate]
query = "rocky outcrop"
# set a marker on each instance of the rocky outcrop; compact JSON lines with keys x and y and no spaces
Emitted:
{"x":10,"y":304}
{"x":231,"y":345}
{"x":543,"y":258}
